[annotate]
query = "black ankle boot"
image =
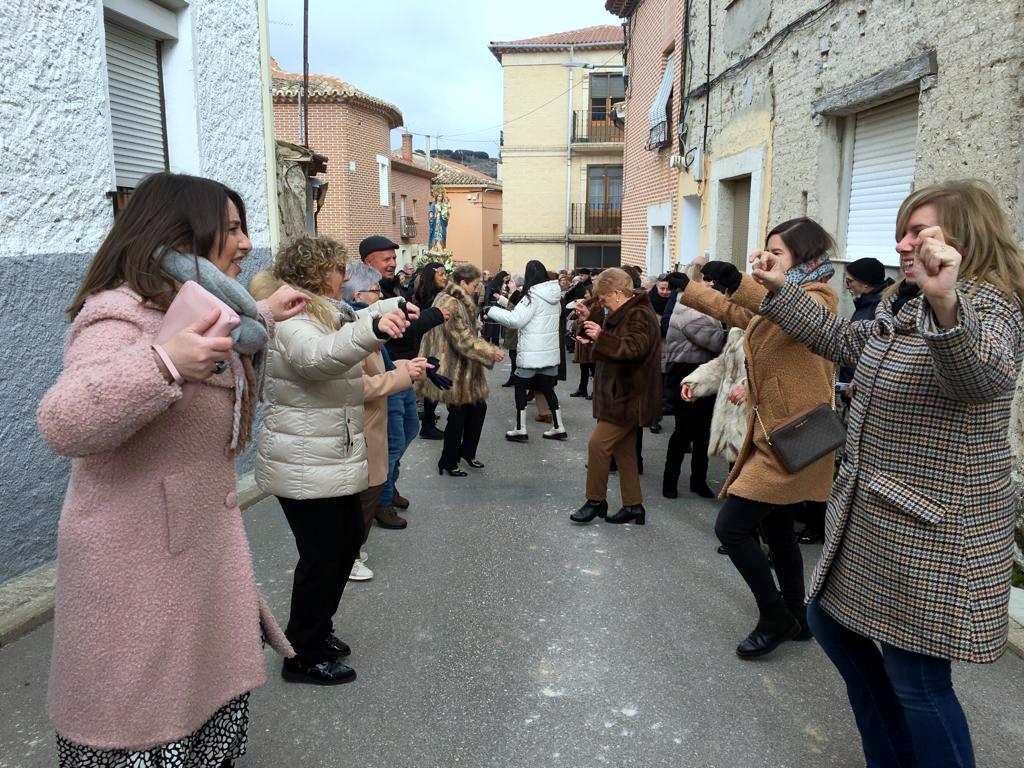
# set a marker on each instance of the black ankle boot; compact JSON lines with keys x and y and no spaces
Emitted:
{"x":631,"y":514}
{"x":327,"y":672}
{"x":700,"y":487}
{"x":670,"y":486}
{"x":589,"y":511}
{"x":775,"y":626}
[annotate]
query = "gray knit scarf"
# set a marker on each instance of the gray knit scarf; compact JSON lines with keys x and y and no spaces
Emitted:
{"x":249,"y":338}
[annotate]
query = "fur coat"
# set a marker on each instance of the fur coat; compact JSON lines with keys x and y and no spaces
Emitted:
{"x":627,"y":375}
{"x":462,"y":354}
{"x":785,"y":379}
{"x":717,"y":379}
{"x":157,"y":618}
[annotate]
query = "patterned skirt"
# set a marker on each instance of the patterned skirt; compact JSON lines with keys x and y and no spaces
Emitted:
{"x":220,"y":739}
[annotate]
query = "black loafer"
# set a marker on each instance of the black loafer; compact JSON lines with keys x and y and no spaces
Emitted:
{"x":337,"y":647}
{"x":589,"y":511}
{"x":329,"y":672}
{"x":767,"y":637}
{"x":474,"y":463}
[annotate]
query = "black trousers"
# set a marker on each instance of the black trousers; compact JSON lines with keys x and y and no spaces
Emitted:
{"x":539,"y":385}
{"x":429,"y":411}
{"x":328,"y":533}
{"x":692,"y":427}
{"x":737,"y":526}
{"x":586,"y":371}
{"x":462,"y":433}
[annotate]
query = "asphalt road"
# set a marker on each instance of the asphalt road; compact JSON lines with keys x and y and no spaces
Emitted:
{"x":496,"y":633}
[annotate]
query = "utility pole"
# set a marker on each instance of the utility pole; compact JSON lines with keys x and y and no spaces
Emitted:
{"x":305,"y":73}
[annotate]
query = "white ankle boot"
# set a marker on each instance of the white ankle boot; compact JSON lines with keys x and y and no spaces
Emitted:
{"x":518,"y":435}
{"x":557,"y":431}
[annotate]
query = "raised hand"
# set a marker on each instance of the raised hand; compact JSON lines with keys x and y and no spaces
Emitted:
{"x":686,"y":393}
{"x":498,"y":355}
{"x":722,"y":273}
{"x":195,"y":355}
{"x":592,"y":329}
{"x":767,"y":270}
{"x":417,"y":368}
{"x":412,"y":310}
{"x":286,"y":302}
{"x":393,"y":324}
{"x":581,"y":311}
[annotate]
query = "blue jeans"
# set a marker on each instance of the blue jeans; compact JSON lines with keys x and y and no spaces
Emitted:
{"x":906,"y":710}
{"x":403,"y":426}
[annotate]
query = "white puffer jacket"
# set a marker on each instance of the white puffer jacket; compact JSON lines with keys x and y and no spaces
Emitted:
{"x":311,"y":445}
{"x":536,"y":317}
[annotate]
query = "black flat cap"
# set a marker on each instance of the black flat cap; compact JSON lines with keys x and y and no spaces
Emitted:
{"x":376,"y":243}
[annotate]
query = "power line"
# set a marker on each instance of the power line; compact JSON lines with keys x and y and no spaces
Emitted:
{"x":438,"y":136}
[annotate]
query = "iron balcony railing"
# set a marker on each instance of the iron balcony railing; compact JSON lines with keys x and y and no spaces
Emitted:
{"x":596,"y":219}
{"x":408,"y":227}
{"x":585,"y":129}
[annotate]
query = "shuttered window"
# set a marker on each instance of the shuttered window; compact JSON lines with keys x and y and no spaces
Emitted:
{"x":881,"y":176}
{"x":136,"y":105}
{"x":658,"y":116}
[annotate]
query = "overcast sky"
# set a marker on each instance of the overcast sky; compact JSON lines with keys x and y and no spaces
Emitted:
{"x":429,"y":59}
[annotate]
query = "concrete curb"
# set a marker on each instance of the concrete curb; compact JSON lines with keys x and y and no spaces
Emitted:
{"x":27,"y":601}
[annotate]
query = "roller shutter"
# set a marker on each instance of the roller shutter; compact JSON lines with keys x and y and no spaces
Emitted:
{"x":882,"y":175}
{"x":136,"y":105}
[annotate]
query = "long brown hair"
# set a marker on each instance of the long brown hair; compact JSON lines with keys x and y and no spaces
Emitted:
{"x":974,"y":223}
{"x":167,"y":209}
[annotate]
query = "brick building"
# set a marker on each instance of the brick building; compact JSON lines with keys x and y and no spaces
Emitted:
{"x":369,"y":192}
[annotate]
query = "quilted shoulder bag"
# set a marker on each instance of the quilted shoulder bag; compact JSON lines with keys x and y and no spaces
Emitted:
{"x":801,"y":441}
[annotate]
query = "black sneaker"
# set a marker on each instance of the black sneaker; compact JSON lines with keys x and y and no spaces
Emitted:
{"x":329,"y":672}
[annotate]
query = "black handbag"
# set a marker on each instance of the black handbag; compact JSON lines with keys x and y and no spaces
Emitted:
{"x":803,"y":440}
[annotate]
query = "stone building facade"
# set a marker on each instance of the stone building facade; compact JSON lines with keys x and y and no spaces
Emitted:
{"x":65,"y":159}
{"x":365,"y":185}
{"x":832,"y":109}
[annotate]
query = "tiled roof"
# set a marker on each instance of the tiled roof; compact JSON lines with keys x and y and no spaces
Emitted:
{"x":288,"y":86}
{"x":621,"y":8}
{"x":604,"y":36}
{"x":452,"y":174}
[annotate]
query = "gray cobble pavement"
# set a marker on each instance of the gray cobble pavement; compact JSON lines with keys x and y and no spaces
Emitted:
{"x":496,"y":633}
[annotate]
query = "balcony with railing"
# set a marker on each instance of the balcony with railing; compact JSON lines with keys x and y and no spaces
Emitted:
{"x":591,"y":219}
{"x":587,"y":130}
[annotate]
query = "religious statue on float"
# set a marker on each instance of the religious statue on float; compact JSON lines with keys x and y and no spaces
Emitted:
{"x":438,"y":211}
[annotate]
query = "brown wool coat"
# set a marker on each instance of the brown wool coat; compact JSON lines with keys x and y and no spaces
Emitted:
{"x":783,"y":379}
{"x":377,"y":385}
{"x":919,"y":529}
{"x":627,"y":376}
{"x":462,"y":354}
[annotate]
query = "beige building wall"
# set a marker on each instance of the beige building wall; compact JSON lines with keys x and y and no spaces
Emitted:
{"x":535,"y":154}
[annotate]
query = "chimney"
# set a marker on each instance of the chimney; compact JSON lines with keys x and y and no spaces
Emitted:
{"x":407,"y":147}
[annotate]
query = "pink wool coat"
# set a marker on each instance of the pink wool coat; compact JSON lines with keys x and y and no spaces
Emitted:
{"x":157,"y":621}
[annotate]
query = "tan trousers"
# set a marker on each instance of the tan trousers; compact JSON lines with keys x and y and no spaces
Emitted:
{"x":613,"y":440}
{"x":368,"y":501}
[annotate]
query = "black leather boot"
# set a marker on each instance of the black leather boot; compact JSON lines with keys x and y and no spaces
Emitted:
{"x":632,"y":514}
{"x":775,"y":626}
{"x":670,"y":486}
{"x":589,"y":511}
{"x":700,"y":487}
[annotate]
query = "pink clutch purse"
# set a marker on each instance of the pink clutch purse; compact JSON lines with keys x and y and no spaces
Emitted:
{"x":193,"y":303}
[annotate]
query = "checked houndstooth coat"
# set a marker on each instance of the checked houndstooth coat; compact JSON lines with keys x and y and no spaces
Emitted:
{"x":919,"y":529}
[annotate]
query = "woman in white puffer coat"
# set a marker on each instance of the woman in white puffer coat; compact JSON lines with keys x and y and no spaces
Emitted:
{"x":536,"y":317}
{"x":312,"y":453}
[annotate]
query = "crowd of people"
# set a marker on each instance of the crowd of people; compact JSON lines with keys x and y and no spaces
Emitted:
{"x":913,"y":499}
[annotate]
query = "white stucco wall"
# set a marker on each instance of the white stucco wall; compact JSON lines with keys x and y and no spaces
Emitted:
{"x":56,"y":166}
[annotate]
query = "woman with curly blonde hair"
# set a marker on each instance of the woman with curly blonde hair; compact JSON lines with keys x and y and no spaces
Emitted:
{"x":312,"y":453}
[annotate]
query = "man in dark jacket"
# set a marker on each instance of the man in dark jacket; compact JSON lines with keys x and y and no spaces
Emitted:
{"x":866,"y":280}
{"x":403,"y":419}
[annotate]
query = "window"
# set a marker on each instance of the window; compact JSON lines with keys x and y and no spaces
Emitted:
{"x":604,"y":187}
{"x":659,"y":114}
{"x":137,"y":118}
{"x":605,"y":90}
{"x":598,"y":256}
{"x":383,"y":169}
{"x":392,"y":207}
{"x":494,"y":235}
{"x":880,"y":174}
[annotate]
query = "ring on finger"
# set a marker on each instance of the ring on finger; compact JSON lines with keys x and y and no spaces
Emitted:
{"x":220,"y":366}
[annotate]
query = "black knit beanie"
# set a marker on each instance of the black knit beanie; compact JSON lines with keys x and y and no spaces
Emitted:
{"x":867,"y":270}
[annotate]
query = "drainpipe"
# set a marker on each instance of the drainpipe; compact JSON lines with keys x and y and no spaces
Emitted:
{"x":568,"y":164}
{"x":269,"y":145}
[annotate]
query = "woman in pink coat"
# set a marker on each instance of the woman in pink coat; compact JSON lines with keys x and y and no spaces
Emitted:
{"x":157,"y":625}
